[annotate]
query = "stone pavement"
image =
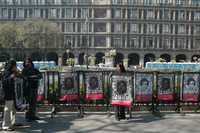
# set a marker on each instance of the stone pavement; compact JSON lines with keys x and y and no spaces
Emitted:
{"x":100,"y":123}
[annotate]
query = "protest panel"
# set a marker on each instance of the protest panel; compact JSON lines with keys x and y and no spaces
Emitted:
{"x":190,"y":87}
{"x":143,"y":87}
{"x":166,"y":86}
{"x":68,"y":87}
{"x":121,"y":90}
{"x":94,"y":85}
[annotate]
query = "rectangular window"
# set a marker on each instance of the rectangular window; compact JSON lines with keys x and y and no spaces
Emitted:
{"x":52,"y":13}
{"x":20,"y":13}
{"x":117,"y":42}
{"x":69,"y":27}
{"x":117,"y":27}
{"x":68,"y":41}
{"x":181,"y":2}
{"x":68,"y":2}
{"x":37,"y":13}
{"x":197,"y":29}
{"x":58,"y":2}
{"x":134,"y":28}
{"x":84,"y":13}
{"x":87,"y":2}
{"x":197,"y":16}
{"x":84,"y":27}
{"x":117,"y":13}
{"x":9,"y":2}
{"x":149,"y":42}
{"x":133,"y":13}
{"x":150,"y":14}
{"x":100,"y":41}
{"x":133,"y":42}
{"x":166,"y":14}
{"x":69,"y":13}
{"x":197,"y":43}
{"x":181,"y":15}
{"x":134,"y":2}
{"x":151,"y":28}
{"x":4,"y":13}
{"x":166,"y":28}
{"x":116,"y":2}
{"x":99,"y":27}
{"x":100,"y":13}
{"x":181,"y":43}
{"x":150,"y":2}
{"x":167,"y":43}
{"x":196,"y":2}
{"x":181,"y":29}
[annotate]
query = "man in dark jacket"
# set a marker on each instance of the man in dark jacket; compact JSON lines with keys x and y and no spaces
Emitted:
{"x":31,"y":78}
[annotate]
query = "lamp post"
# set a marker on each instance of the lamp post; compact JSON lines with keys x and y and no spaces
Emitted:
{"x":67,"y":52}
{"x":87,"y":37}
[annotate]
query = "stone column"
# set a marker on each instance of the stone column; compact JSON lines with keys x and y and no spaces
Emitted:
{"x":188,"y":58}
{"x":125,"y":61}
{"x":59,"y":60}
{"x":141,"y":60}
{"x":109,"y":15}
{"x":173,"y":57}
{"x":109,"y":61}
{"x":60,"y":57}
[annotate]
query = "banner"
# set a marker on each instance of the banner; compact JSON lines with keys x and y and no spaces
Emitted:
{"x":69,"y":87}
{"x":166,"y":87}
{"x":143,"y":87}
{"x":190,"y":92}
{"x":121,"y":90}
{"x":41,"y":89}
{"x":94,"y":86}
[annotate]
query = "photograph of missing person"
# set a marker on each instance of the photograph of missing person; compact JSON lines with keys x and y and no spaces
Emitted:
{"x":143,"y":84}
{"x":191,"y":83}
{"x":93,"y":83}
{"x":68,"y":84}
{"x":121,"y":87}
{"x":166,"y":83}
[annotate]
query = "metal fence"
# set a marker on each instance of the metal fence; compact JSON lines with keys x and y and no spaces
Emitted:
{"x":98,"y":90}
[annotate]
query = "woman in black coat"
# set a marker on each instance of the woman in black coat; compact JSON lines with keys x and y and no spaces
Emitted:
{"x":120,"y":112}
{"x":8,"y":82}
{"x":31,"y":78}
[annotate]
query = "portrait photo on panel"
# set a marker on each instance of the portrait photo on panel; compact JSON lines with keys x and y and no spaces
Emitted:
{"x":93,"y":83}
{"x":68,"y":85}
{"x":144,"y":84}
{"x":191,"y":83}
{"x":121,"y":87}
{"x":165,"y":83}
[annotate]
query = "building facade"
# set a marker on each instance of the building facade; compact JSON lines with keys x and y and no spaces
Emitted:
{"x":139,"y":30}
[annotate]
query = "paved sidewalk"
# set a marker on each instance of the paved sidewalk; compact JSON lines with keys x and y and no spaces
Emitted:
{"x":98,"y":123}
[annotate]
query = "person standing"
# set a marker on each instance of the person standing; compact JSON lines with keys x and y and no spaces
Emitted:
{"x":121,"y":114}
{"x":8,"y":83}
{"x":31,"y":78}
{"x":119,"y":109}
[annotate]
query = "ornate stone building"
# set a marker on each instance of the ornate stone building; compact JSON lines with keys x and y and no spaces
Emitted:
{"x":139,"y":30}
